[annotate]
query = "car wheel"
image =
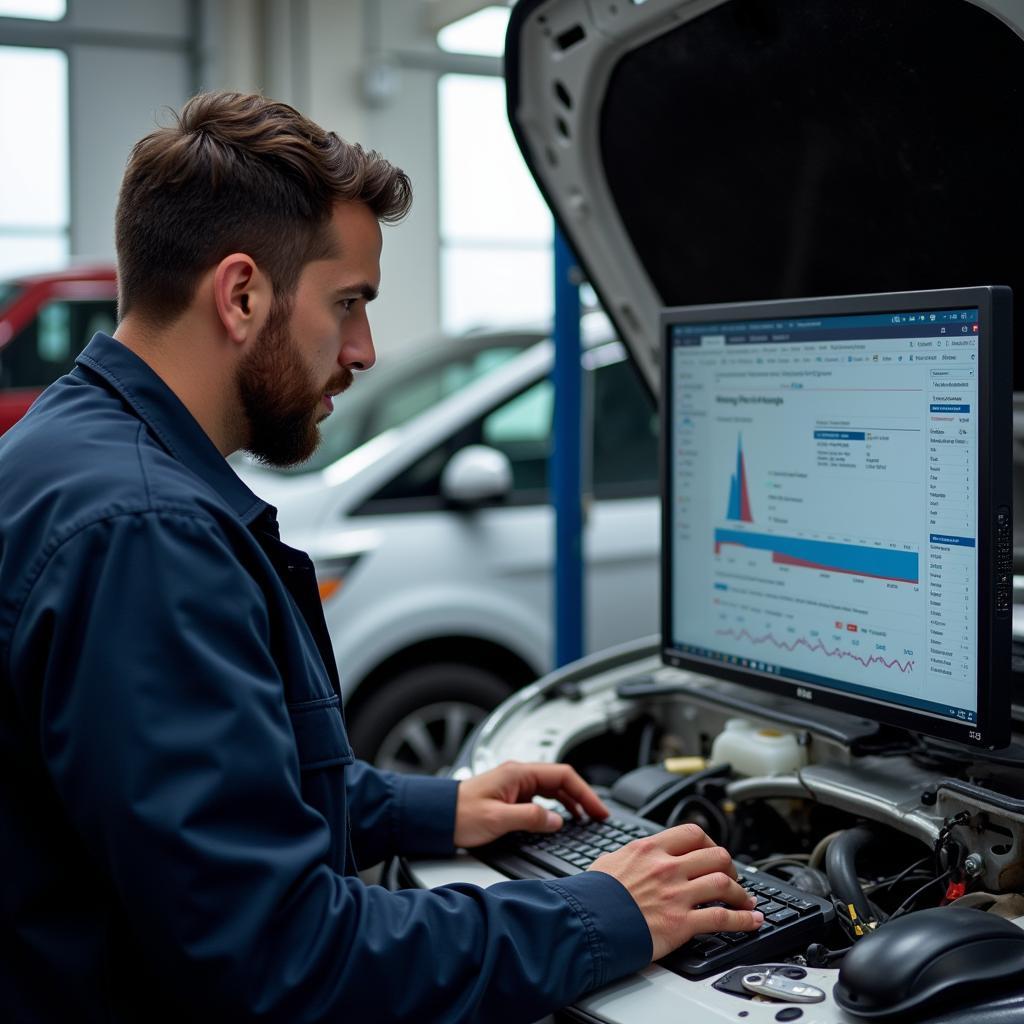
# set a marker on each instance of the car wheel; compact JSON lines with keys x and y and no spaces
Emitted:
{"x":418,"y":721}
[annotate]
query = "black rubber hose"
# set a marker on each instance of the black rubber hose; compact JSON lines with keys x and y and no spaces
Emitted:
{"x":841,"y":868}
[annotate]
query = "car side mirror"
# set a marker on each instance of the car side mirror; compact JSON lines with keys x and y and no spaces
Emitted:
{"x":476,"y":474}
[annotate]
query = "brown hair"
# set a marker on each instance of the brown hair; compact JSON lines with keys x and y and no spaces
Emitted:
{"x":237,"y":173}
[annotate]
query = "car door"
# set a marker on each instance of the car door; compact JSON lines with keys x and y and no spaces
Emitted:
{"x":482,"y":571}
{"x":505,"y":551}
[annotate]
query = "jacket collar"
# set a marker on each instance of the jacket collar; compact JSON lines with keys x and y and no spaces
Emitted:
{"x":165,"y":414}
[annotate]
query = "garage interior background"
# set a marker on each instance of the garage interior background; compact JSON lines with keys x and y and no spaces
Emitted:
{"x":81,"y":81}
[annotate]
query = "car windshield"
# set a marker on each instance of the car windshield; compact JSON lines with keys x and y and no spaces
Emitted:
{"x":391,"y":395}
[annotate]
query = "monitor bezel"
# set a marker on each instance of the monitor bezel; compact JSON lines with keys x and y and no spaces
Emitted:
{"x":994,"y":304}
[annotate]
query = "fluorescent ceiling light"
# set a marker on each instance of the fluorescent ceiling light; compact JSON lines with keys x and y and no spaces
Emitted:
{"x":482,"y":33}
{"x":43,"y":10}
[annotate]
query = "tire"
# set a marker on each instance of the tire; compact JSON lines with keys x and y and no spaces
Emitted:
{"x":418,"y":720}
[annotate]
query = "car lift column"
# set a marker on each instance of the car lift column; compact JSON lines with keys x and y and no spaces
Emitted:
{"x":565,"y":468}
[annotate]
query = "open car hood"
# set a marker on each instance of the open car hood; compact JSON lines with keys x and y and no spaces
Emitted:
{"x":698,"y":151}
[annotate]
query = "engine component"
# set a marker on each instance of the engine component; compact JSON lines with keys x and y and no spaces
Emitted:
{"x":755,"y":750}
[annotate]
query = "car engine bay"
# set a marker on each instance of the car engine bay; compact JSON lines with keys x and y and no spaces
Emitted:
{"x":886,"y":825}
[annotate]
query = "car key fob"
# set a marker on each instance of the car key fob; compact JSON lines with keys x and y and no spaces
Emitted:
{"x":774,"y":985}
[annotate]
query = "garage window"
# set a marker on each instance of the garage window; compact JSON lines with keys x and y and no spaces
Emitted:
{"x":496,"y":253}
{"x":34,"y":170}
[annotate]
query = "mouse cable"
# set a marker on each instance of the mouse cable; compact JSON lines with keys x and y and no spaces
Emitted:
{"x":818,"y":954}
{"x":917,"y":877}
{"x":885,"y":884}
{"x":910,"y":900}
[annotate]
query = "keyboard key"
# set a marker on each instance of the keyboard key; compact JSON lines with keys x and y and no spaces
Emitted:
{"x":704,"y":947}
{"x":770,"y":907}
{"x":785,"y":898}
{"x":781,"y":916}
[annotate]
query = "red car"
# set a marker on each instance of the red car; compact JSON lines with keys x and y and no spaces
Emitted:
{"x":45,"y":321}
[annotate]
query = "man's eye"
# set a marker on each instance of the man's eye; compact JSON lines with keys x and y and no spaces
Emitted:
{"x":347,"y":304}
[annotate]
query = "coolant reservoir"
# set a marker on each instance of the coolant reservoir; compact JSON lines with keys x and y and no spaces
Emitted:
{"x":757,"y":750}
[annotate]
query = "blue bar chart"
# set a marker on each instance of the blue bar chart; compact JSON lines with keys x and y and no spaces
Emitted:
{"x":827,"y":556}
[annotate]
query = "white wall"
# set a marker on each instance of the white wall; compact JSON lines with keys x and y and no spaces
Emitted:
{"x":367,"y":69}
{"x":402,"y":124}
{"x":117,"y":96}
{"x":318,"y":56}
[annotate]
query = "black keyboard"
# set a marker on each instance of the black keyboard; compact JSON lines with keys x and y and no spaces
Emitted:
{"x":576,"y":845}
{"x":792,"y":919}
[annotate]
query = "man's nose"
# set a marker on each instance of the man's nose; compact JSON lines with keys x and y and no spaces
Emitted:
{"x":357,"y":353}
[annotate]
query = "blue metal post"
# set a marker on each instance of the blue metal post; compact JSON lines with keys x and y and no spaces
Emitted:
{"x":566,"y":459}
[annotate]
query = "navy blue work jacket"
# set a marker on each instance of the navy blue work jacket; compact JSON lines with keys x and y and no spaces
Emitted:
{"x":181,"y":816}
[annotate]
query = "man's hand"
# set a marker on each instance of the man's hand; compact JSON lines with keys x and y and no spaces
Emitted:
{"x":501,"y":801}
{"x":670,"y":874}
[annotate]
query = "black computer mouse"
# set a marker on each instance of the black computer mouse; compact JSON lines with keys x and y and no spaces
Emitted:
{"x":914,"y":960}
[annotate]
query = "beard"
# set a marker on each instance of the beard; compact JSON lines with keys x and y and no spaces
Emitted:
{"x":281,"y":401}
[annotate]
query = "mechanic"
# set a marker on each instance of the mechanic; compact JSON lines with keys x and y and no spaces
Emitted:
{"x":181,"y":813}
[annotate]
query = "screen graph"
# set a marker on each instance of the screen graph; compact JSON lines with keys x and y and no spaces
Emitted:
{"x":739,"y":496}
{"x":898,"y":566}
{"x":817,"y":645}
{"x":827,"y":556}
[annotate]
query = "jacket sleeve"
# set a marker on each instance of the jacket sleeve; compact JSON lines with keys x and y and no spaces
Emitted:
{"x":413,"y":815}
{"x":165,"y":732}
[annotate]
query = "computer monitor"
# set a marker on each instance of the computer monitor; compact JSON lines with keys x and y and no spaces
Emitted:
{"x":836,"y":518}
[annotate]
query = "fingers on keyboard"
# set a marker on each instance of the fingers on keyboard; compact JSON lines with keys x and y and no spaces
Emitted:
{"x":718,"y":888}
{"x":708,"y":860}
{"x":725,"y":919}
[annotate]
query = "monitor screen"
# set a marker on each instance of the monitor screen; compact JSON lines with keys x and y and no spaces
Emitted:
{"x":837,"y":503}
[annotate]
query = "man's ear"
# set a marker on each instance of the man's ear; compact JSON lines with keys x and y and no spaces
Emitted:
{"x":242,"y":294}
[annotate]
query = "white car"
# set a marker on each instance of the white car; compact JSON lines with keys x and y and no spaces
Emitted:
{"x":434,"y":539}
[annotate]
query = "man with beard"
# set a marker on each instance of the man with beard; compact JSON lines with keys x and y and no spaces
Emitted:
{"x":182,"y":816}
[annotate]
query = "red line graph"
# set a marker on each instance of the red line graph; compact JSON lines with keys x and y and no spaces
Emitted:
{"x":817,"y":645}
